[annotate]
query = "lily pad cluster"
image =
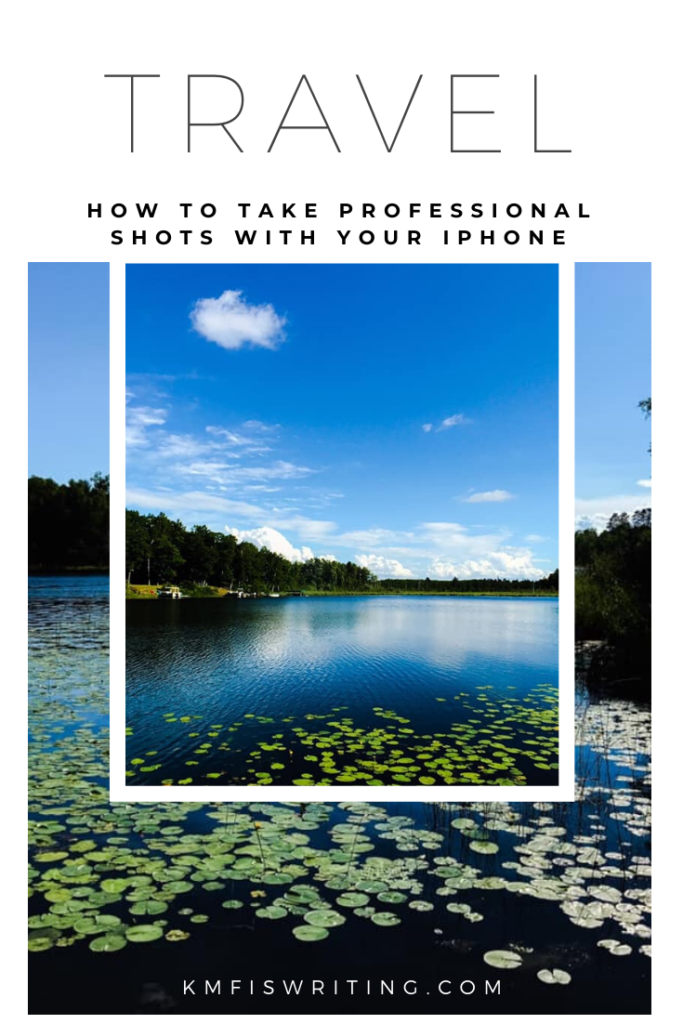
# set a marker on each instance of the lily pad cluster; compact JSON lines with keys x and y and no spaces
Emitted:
{"x":505,"y":739}
{"x":129,"y":875}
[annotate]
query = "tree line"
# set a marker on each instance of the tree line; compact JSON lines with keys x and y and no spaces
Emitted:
{"x":614,"y":589}
{"x":548,"y":585}
{"x":161,"y":550}
{"x":68,"y":528}
{"x":68,"y":524}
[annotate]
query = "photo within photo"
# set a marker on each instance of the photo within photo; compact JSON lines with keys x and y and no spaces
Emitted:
{"x":341,"y":525}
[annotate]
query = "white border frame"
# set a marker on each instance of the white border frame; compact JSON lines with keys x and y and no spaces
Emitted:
{"x":119,"y":791}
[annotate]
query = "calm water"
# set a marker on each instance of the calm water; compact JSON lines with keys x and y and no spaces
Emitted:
{"x":229,"y":661}
{"x":604,"y":836}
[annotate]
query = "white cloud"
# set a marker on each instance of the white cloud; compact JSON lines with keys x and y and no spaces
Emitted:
{"x":372,"y":538}
{"x":267,"y":537}
{"x":437,"y":549}
{"x":213,"y":475}
{"x":645,"y":483}
{"x":480,"y":496}
{"x":385,"y":568}
{"x":184,"y":446}
{"x":506,"y":563}
{"x":452,"y":421}
{"x":445,"y":533}
{"x":174,"y":502}
{"x":427,"y":427}
{"x":138,"y":419}
{"x":595,"y":513}
{"x":534,"y":538}
{"x":229,"y":473}
{"x":233,"y":439}
{"x":307,"y":529}
{"x":215,"y":471}
{"x":231,"y":322}
{"x":263,"y":428}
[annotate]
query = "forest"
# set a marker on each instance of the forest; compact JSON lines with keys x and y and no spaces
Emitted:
{"x":68,"y":524}
{"x":160,"y":550}
{"x":614,"y":590}
{"x":69,"y":530}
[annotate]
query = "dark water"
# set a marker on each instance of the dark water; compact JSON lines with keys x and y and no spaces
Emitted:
{"x":606,"y":831}
{"x":229,"y":662}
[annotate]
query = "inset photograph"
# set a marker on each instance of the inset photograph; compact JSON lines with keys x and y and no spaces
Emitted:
{"x":342,"y":525}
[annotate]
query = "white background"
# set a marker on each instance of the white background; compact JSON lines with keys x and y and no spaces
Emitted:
{"x":607,"y":72}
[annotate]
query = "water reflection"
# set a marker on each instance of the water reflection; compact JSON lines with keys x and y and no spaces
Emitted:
{"x":566,"y":887}
{"x":222,"y":660}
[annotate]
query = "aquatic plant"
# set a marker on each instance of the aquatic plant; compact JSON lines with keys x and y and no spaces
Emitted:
{"x":506,"y":738}
{"x":114,"y":876}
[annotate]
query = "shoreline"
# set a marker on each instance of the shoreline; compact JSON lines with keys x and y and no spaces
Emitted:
{"x":69,"y":570}
{"x":143,"y":596}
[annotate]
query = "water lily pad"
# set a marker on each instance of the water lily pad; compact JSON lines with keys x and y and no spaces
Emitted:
{"x":353,"y":899}
{"x":115,"y":885}
{"x":385,"y":919}
{"x":324,"y":918}
{"x":616,"y":948}
{"x":309,"y":933}
{"x":88,"y":926}
{"x":108,"y":943}
{"x":110,"y":920}
{"x":148,"y":908}
{"x":178,"y":887}
{"x":504,"y":959}
{"x":271,"y":913}
{"x":40,"y":943}
{"x":554,"y":977}
{"x":390,"y":896}
{"x":371,"y":886}
{"x":144,"y":933}
{"x":478,"y":846}
{"x":365,"y":911}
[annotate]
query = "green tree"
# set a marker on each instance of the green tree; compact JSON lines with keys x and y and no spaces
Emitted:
{"x":137,"y":542}
{"x":68,"y":523}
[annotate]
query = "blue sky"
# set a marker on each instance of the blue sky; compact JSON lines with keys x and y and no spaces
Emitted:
{"x":68,"y":369}
{"x":612,"y":376}
{"x":404,"y":417}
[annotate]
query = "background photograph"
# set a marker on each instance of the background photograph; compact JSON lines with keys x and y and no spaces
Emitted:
{"x":549,"y":900}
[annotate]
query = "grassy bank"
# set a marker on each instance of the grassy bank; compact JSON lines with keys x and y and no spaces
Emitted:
{"x":137,"y":591}
{"x":427,"y":593}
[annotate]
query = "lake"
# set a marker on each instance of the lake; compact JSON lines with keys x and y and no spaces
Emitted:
{"x":419,"y":891}
{"x":365,"y":690}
